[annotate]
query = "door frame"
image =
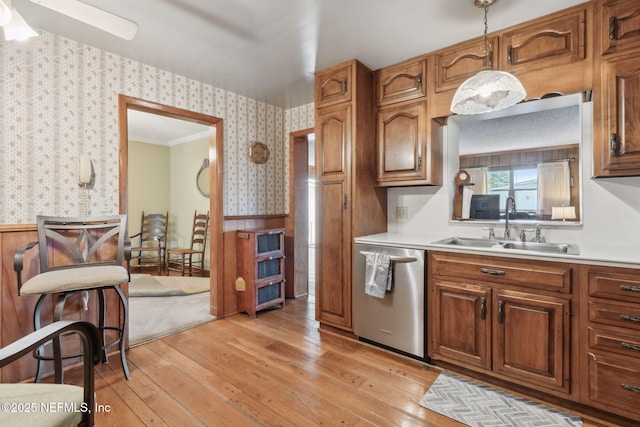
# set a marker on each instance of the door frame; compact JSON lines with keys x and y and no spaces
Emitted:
{"x":295,"y":265}
{"x":216,"y":262}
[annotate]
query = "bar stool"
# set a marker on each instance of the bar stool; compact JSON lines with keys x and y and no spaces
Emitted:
{"x":78,"y":254}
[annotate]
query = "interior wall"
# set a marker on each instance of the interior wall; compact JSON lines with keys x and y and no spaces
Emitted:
{"x":186,"y":160}
{"x":59,"y":99}
{"x":149,"y":181}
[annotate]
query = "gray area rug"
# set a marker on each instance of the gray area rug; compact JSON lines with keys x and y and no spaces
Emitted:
{"x":151,"y":318}
{"x":146,"y":285}
{"x":478,"y":405}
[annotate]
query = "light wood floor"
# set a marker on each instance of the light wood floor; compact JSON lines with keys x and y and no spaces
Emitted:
{"x":276,"y":370}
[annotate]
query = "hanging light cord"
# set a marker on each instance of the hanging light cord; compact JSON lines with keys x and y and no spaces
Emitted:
{"x":486,"y":38}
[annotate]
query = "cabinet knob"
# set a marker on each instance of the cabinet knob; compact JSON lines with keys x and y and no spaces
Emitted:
{"x":501,"y":312}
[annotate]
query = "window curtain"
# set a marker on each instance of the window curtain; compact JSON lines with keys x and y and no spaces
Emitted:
{"x":479,"y":178}
{"x":554,"y":186}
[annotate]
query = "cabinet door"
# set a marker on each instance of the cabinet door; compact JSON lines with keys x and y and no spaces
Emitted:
{"x":460,"y":325}
{"x":546,"y":43}
{"x":531,"y":339}
{"x":333,"y":250}
{"x":618,"y":145}
{"x":401,"y":82}
{"x":402,"y":141}
{"x":456,"y":64}
{"x":619,"y":25}
{"x":333,"y":85}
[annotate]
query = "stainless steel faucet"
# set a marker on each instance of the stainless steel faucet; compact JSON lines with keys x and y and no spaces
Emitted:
{"x":512,"y":206}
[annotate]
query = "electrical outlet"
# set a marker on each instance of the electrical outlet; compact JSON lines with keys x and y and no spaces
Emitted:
{"x":402,"y":212}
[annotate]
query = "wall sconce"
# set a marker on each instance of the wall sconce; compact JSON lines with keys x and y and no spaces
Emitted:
{"x":563,"y":212}
{"x":489,"y":90}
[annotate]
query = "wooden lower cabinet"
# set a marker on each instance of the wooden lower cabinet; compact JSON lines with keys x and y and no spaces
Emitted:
{"x":507,"y":331}
{"x":613,"y":336}
{"x":460,"y":331}
{"x":531,"y":338}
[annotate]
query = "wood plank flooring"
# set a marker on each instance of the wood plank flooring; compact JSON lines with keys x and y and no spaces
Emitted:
{"x":276,"y":370}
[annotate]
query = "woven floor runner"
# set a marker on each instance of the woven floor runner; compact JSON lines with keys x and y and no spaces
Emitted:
{"x":479,"y":405}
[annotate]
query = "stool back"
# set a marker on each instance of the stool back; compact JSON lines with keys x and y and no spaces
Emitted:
{"x":68,"y":242}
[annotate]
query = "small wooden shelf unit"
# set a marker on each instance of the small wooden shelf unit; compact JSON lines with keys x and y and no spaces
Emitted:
{"x":261,"y":267}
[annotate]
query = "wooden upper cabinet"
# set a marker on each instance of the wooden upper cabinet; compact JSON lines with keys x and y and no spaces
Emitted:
{"x":333,"y":128}
{"x":402,"y":133}
{"x":332,"y":85}
{"x":617,"y":141}
{"x":619,"y":25}
{"x":407,"y":153}
{"x":545,"y":43}
{"x":401,"y":82}
{"x":456,"y":64}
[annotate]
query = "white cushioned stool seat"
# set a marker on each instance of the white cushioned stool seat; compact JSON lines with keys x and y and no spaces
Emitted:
{"x":46,"y":405}
{"x":75,"y":279}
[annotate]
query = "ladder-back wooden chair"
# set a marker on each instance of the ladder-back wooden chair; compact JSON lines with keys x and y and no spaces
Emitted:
{"x":78,"y":254}
{"x":150,"y":250}
{"x":185,"y":259}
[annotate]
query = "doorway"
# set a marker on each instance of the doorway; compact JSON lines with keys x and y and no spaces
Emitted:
{"x":214,"y":124}
{"x":300,"y":224}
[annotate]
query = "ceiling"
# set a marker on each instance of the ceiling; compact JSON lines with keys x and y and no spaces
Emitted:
{"x":269,"y":49}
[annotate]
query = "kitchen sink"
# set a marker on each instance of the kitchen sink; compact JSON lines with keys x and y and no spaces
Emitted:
{"x":551,"y":248}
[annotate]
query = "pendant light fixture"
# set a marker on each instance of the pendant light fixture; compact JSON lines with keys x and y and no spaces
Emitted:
{"x":489,"y":90}
{"x":15,"y":27}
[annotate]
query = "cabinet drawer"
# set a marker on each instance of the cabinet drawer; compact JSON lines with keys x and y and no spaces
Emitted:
{"x":269,"y":293}
{"x":401,"y":82}
{"x":625,"y":287}
{"x":616,"y":314}
{"x":614,"y":382}
{"x":604,"y":340}
{"x":269,"y":267}
{"x":526,"y":273}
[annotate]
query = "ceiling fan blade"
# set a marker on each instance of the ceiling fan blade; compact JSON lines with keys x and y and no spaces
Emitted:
{"x":93,"y":16}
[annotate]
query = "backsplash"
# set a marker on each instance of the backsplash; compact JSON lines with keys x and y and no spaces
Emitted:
{"x":59,"y":99}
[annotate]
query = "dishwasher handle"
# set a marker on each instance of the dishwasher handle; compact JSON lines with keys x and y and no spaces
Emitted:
{"x":393,"y":258}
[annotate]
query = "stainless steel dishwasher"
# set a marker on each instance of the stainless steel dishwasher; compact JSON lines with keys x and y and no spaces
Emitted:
{"x":397,"y":320}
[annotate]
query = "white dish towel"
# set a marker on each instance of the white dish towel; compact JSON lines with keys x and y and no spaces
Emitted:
{"x":378,"y":275}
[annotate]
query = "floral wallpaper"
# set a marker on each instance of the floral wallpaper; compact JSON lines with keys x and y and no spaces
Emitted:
{"x":59,"y":99}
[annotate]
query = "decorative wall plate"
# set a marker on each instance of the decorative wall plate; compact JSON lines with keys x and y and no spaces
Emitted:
{"x":258,"y":152}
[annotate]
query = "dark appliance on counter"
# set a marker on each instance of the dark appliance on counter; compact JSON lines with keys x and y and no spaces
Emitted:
{"x":485,"y":206}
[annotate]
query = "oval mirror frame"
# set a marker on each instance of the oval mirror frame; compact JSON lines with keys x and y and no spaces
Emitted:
{"x":202,"y":178}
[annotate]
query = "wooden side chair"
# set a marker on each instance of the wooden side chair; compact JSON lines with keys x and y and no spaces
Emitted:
{"x":78,"y":254}
{"x":151,"y":248}
{"x":185,"y":259}
{"x":29,"y":399}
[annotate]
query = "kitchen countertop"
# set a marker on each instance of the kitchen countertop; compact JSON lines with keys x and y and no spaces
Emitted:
{"x":595,"y":255}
